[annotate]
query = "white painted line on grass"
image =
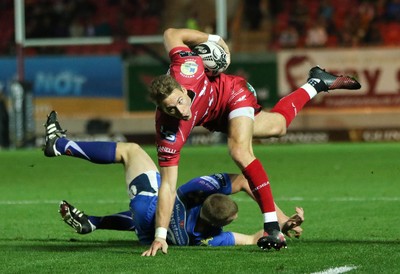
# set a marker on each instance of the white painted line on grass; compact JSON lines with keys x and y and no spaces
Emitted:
{"x":336,"y":270}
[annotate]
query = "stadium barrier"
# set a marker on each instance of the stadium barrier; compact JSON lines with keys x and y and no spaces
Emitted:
{"x":95,"y":87}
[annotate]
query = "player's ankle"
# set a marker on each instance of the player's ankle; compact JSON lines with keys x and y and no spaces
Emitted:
{"x":318,"y":84}
{"x":271,"y":226}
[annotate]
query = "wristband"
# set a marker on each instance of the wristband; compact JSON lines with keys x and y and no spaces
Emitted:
{"x":213,"y":38}
{"x":161,"y":232}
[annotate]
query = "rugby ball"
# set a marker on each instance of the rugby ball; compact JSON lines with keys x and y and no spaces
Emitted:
{"x":214,"y":57}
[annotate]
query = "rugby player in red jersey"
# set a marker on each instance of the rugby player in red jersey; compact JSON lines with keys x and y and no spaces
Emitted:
{"x":186,"y":97}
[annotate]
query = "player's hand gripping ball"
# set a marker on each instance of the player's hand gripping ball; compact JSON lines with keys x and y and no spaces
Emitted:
{"x":214,"y":57}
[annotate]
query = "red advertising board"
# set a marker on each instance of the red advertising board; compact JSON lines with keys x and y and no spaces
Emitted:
{"x":377,"y":69}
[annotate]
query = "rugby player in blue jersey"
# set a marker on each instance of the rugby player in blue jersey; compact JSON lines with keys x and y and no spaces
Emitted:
{"x":202,"y":206}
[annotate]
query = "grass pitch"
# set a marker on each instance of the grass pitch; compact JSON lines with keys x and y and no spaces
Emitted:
{"x":350,"y":193}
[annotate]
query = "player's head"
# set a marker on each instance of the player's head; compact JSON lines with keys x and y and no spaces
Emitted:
{"x":219,"y":210}
{"x":171,"y":97}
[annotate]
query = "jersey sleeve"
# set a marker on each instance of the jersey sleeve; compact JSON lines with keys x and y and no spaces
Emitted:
{"x":222,"y":239}
{"x":194,"y":192}
{"x":171,"y":136}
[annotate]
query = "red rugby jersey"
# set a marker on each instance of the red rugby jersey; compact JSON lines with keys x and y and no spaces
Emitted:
{"x":212,"y":101}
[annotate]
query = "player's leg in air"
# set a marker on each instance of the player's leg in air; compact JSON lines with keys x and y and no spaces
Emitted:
{"x":276,"y":122}
{"x":135,"y":160}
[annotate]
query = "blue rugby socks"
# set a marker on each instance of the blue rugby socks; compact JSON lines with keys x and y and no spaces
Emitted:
{"x":120,"y":221}
{"x":96,"y":152}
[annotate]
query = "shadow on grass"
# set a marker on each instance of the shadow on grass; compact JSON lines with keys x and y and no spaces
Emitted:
{"x":133,"y":246}
{"x":74,"y":245}
{"x":62,"y":245}
{"x":341,"y":241}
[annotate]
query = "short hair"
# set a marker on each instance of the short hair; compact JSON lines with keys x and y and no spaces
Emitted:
{"x":161,"y":87}
{"x":218,"y":209}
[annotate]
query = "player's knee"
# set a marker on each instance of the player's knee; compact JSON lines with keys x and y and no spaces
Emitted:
{"x":269,"y":124}
{"x":125,"y":151}
{"x":278,"y":130}
{"x":240,"y":155}
{"x":132,"y":148}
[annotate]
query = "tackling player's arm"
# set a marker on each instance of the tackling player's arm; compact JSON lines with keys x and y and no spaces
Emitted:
{"x":166,"y":198}
{"x":290,"y":226}
{"x":244,"y":239}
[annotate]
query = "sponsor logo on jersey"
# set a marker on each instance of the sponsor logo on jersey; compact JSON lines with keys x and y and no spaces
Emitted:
{"x":212,"y":182}
{"x":221,"y":178}
{"x":166,"y":150}
{"x":206,"y":242}
{"x":168,"y":135}
{"x":189,"y":68}
{"x":177,"y":227}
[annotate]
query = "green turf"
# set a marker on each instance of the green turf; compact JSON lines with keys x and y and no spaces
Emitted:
{"x":350,"y":193}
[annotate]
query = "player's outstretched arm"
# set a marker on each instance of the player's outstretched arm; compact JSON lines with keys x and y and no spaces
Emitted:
{"x":166,"y":198}
{"x":244,"y":239}
{"x":290,"y":226}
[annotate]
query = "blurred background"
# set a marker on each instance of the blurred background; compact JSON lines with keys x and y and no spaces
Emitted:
{"x":91,"y":61}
